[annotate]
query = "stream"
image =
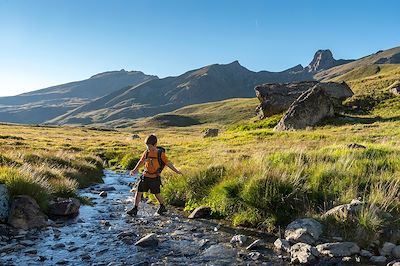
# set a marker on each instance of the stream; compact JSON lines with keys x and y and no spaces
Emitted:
{"x":103,"y":234}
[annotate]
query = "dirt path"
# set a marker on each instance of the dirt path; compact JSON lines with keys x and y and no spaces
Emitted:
{"x":103,"y":235}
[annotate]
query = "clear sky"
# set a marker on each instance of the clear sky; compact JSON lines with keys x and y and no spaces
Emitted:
{"x":44,"y":43}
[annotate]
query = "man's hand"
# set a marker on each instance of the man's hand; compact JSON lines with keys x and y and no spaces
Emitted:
{"x":133,"y":172}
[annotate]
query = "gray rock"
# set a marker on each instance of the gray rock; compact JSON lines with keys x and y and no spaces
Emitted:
{"x":108,"y":188}
{"x":345,"y":211}
{"x":396,"y":252}
{"x":135,"y":136}
{"x":394,"y":263}
{"x":338,"y":249}
{"x":303,"y":253}
{"x":27,"y":243}
{"x":218,"y":251}
{"x":305,"y":230}
{"x":278,"y":97}
{"x":103,"y":194}
{"x":387,"y":249}
{"x":31,"y":251}
{"x":255,"y":255}
{"x":200,"y":212}
{"x":365,"y":253}
{"x":257,"y":244}
{"x":64,"y":207}
{"x":310,"y":108}
{"x":356,"y":146}
{"x":211,"y":132}
{"x":238,"y":239}
{"x":4,"y":203}
{"x":378,"y":259}
{"x":149,"y":240}
{"x":282,"y":245}
{"x":26,"y":214}
{"x":58,"y":246}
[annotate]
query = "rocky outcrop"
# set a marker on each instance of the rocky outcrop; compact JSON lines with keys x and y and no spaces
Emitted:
{"x":211,"y":132}
{"x":25,"y":214}
{"x":4,"y":203}
{"x":305,"y":230}
{"x":277,"y":97}
{"x":64,"y":207}
{"x":310,"y":108}
{"x":323,"y":59}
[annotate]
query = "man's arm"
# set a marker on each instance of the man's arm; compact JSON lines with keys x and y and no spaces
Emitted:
{"x":173,"y":168}
{"x":138,"y":165}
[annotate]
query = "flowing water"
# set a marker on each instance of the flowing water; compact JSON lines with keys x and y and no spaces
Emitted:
{"x":103,"y":234}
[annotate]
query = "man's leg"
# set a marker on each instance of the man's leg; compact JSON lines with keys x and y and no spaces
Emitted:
{"x":162,"y":208}
{"x":134,"y":210}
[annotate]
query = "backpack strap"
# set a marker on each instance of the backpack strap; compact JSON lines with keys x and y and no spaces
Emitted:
{"x":160,"y":150}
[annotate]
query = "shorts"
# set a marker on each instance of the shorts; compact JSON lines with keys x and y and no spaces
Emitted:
{"x":149,"y":183}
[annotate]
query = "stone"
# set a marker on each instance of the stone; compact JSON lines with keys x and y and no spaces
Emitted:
{"x":31,"y":251}
{"x":276,"y":98}
{"x":218,"y":251}
{"x":387,"y":249}
{"x":305,"y":230}
{"x":25,"y":214}
{"x":200,"y":212}
{"x":356,"y":146}
{"x":108,"y":188}
{"x":103,"y":194}
{"x":338,"y":249}
{"x":58,"y":246}
{"x":310,"y":108}
{"x":149,"y":240}
{"x":135,"y":136}
{"x":395,"y":88}
{"x":303,"y":253}
{"x":211,"y":132}
{"x":396,"y":252}
{"x":238,"y":239}
{"x":378,"y":259}
{"x":345,"y":211}
{"x":282,"y":245}
{"x":257,"y":244}
{"x":394,"y":263}
{"x":365,"y":253}
{"x":4,"y":203}
{"x":64,"y":207}
{"x":254,"y":255}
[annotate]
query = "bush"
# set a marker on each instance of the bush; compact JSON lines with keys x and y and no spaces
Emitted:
{"x":225,"y":198}
{"x":23,"y":184}
{"x":129,"y":161}
{"x":174,"y":190}
{"x":199,"y":184}
{"x":64,"y":188}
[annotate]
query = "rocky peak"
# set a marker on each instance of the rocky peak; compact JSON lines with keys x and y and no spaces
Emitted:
{"x":323,"y":59}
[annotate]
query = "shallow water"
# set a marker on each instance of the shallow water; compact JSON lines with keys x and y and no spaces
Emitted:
{"x":104,"y":235}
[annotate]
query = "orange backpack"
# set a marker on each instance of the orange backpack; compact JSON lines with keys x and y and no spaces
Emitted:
{"x":153,"y":166}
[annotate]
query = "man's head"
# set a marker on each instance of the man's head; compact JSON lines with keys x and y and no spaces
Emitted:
{"x":151,"y":140}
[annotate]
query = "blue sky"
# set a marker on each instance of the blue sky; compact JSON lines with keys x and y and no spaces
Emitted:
{"x":44,"y":43}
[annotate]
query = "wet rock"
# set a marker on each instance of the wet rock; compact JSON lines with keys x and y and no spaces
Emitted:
{"x":42,"y":258}
{"x":387,"y":249}
{"x":85,"y":256}
{"x":105,"y":223}
{"x":257,"y":244}
{"x":72,"y":249}
{"x":365,"y":253}
{"x":108,"y":188}
{"x":338,"y":249}
{"x":396,"y":252}
{"x":238,"y":239}
{"x":58,"y":246}
{"x":64,"y":207}
{"x":211,"y":132}
{"x":83,"y":235}
{"x":378,"y":259}
{"x":7,"y":248}
{"x":394,"y":263}
{"x":62,"y":262}
{"x":149,"y":240}
{"x":303,"y":253}
{"x":255,"y":255}
{"x":103,"y":194}
{"x":4,"y":203}
{"x":27,"y":243}
{"x":282,"y":245}
{"x":25,"y":214}
{"x":303,"y":230}
{"x":218,"y":251}
{"x":31,"y":251}
{"x":356,"y":146}
{"x":200,"y":212}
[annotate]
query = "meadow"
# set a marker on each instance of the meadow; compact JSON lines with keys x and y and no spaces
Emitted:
{"x":250,"y":175}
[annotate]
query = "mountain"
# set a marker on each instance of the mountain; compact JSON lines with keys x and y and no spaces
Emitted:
{"x":45,"y":104}
{"x":207,"y":84}
{"x":323,"y":59}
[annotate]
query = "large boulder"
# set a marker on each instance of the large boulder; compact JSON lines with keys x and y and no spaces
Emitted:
{"x":211,"y":132}
{"x":150,"y":240}
{"x":4,"y":203}
{"x":25,"y":214}
{"x":338,"y":249}
{"x":395,"y":88}
{"x":305,"y":230}
{"x":276,"y":98}
{"x":64,"y":207}
{"x":310,"y":108}
{"x":303,"y":253}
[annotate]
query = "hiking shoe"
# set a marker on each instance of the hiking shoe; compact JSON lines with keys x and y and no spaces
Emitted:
{"x":132,"y":212}
{"x":161,"y":209}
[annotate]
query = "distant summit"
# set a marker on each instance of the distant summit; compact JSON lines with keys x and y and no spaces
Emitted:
{"x":323,"y":59}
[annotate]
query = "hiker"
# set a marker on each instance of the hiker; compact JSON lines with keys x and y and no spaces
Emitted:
{"x":153,"y":160}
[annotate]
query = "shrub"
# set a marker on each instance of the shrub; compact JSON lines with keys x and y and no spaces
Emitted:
{"x":64,"y":188}
{"x":129,"y":161}
{"x":199,"y":184}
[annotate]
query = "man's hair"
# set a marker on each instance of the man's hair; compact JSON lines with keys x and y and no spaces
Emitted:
{"x":152,"y":140}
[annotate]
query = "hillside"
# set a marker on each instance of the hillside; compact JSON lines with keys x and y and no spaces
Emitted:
{"x":45,"y":104}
